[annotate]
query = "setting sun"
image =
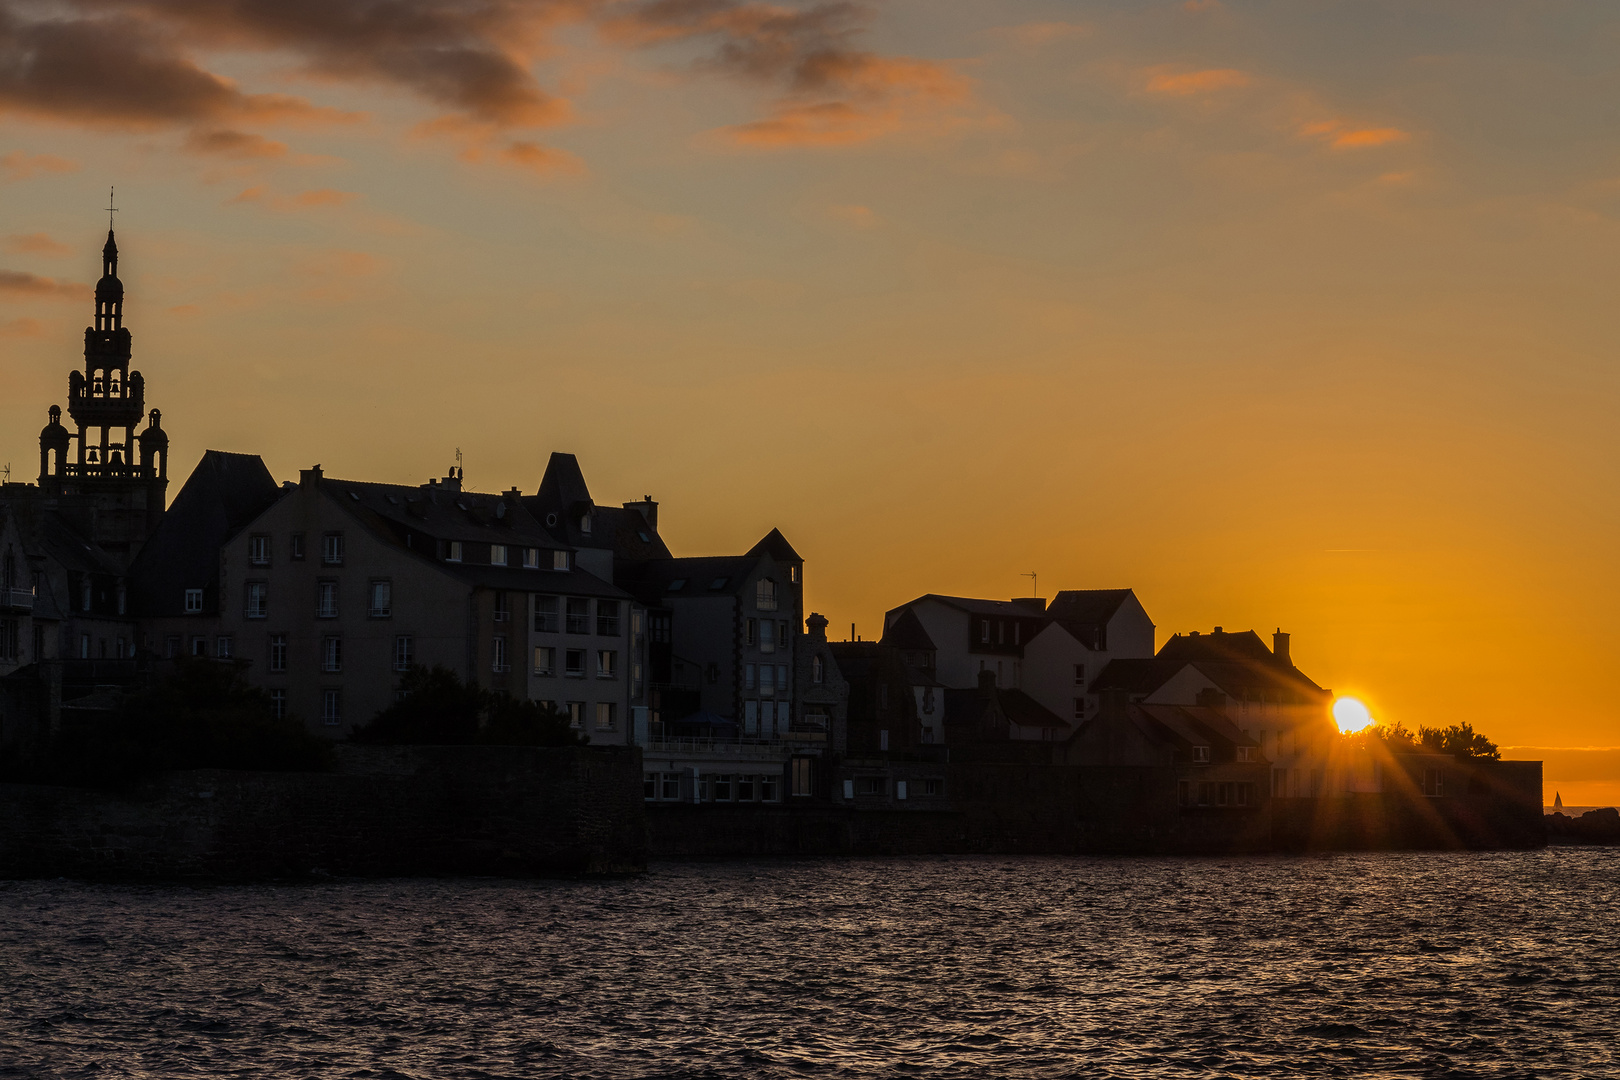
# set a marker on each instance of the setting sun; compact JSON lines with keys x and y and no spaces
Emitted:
{"x":1350,"y":714}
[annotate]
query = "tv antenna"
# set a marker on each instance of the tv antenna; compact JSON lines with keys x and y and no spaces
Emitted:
{"x":461,"y":474}
{"x":7,"y":472}
{"x":1034,"y":583}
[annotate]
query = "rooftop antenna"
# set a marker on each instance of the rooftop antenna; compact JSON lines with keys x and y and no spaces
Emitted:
{"x":8,"y":472}
{"x":1034,"y":583}
{"x":461,"y":474}
{"x":112,"y":208}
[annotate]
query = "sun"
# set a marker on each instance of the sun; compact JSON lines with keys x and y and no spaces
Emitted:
{"x":1350,"y":714}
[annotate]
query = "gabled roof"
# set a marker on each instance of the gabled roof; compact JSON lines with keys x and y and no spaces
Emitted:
{"x":1196,"y":725}
{"x":657,"y":581}
{"x":1003,"y":608}
{"x":908,"y":633}
{"x":443,"y":512}
{"x":223,"y":494}
{"x":776,"y":546}
{"x":1239,"y":664}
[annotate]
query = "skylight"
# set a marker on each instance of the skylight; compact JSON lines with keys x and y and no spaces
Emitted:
{"x":718,"y":583}
{"x":677,"y":585}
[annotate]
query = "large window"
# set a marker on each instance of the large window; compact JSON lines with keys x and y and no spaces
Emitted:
{"x":332,"y":654}
{"x":193,"y":601}
{"x":818,"y":670}
{"x":577,"y":614}
{"x":750,"y":677}
{"x":574,"y":663}
{"x":380,"y":603}
{"x":607,"y":618}
{"x":224,"y":647}
{"x":803,"y":777}
{"x":545,"y":615}
{"x":497,"y":554}
{"x":497,"y":654}
{"x":331,"y":707}
{"x":332,"y":549}
{"x":576,"y":714}
{"x":769,"y":788}
{"x":545,"y":660}
{"x":452,"y":551}
{"x":404,"y":653}
{"x":765,"y":595}
{"x":559,"y":560}
{"x":767,"y":636}
{"x":326,"y":600}
{"x":503,"y":607}
{"x":607,"y":664}
{"x":745,"y":787}
{"x":259,"y":550}
{"x":258,"y":600}
{"x":278,"y":703}
{"x":722,"y":787}
{"x":606,"y":716}
{"x":1079,"y":674}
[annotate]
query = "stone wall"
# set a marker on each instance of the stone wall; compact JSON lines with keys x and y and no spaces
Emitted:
{"x":385,"y":811}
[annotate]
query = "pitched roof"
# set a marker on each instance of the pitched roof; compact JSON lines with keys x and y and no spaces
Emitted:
{"x":1239,"y":664}
{"x":223,"y":494}
{"x":776,"y":546}
{"x":908,"y":632}
{"x":443,"y":512}
{"x":1003,"y":608}
{"x":658,"y":580}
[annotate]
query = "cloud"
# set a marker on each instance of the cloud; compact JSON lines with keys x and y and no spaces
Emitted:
{"x":317,"y":199}
{"x":861,"y":217}
{"x":20,"y":166}
{"x":1336,"y":135}
{"x":33,"y":244}
{"x":22,"y":283}
{"x":241,"y":145}
{"x":1040,"y":33}
{"x":21,"y":328}
{"x":1191,"y":83}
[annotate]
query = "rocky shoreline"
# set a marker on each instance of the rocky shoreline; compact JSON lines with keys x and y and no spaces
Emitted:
{"x":1593,"y":827}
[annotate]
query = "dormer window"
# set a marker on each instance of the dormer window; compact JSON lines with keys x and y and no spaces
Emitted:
{"x":585,"y":524}
{"x":531,"y":558}
{"x":497,"y":554}
{"x":1201,"y":754}
{"x":984,"y":631}
{"x":453,"y":553}
{"x":193,"y":601}
{"x":559,"y":560}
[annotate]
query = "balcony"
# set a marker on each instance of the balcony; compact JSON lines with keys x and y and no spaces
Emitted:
{"x":758,"y":748}
{"x":16,"y":600}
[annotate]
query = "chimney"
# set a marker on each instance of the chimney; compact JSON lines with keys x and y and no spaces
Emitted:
{"x":453,"y":481}
{"x":817,"y":627}
{"x":647,"y":509}
{"x":1279,"y":649}
{"x":308,"y":477}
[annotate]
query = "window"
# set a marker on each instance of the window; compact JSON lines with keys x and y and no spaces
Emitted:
{"x":793,"y":574}
{"x":669,"y":785}
{"x":606,"y":716}
{"x":258,"y":600}
{"x":278,"y":652}
{"x":607,"y":618}
{"x":326,"y":600}
{"x":984,"y":631}
{"x":677,"y":584}
{"x":585,"y":524}
{"x":649,"y":785}
{"x":545,"y":615}
{"x":503,"y":607}
{"x":171,"y":646}
{"x":767,"y":636}
{"x":767,"y":679}
{"x":85,"y":596}
{"x":802,"y":777}
{"x":933,"y":787}
{"x":1184,"y":795}
{"x":259,"y":550}
{"x":871,"y":785}
{"x":531,"y":558}
{"x":223,"y":646}
{"x":8,"y":639}
{"x":1201,"y":754}
{"x":750,"y":631}
{"x":332,"y":549}
{"x":1079,"y":674}
{"x":745,"y":788}
{"x":452,"y":551}
{"x":765,"y":595}
{"x":1279,"y":783}
{"x":497,"y":653}
{"x":576,"y":714}
{"x":404,"y":653}
{"x":1244,"y":795}
{"x":199,"y":646}
{"x":750,"y":718}
{"x":749,"y":677}
{"x":635,"y":680}
{"x":497,"y":554}
{"x":381,"y":600}
{"x":559,"y":560}
{"x":782,"y":634}
{"x":574,"y":663}
{"x":818,"y":670}
{"x":577,"y":615}
{"x":193,"y":601}
{"x":1434,"y":783}
{"x":1245,"y":753}
{"x":722,"y":787}
{"x":1079,"y":708}
{"x":782,"y":679}
{"x":278,"y":703}
{"x":607,"y":664}
{"x":331,"y":654}
{"x":331,"y":707}
{"x":295,"y":547}
{"x":719,"y":583}
{"x":769,"y":788}
{"x":545,"y":660}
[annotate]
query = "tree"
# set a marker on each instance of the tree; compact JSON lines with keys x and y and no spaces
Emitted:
{"x":435,"y":707}
{"x":1460,"y":740}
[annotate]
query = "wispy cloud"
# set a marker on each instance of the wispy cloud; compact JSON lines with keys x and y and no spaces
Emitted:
{"x":1341,"y":137}
{"x":21,"y":328}
{"x":33,"y":244}
{"x":1175,"y":83}
{"x":316,"y":199}
{"x":20,"y":166}
{"x":22,"y":283}
{"x":240,"y":145}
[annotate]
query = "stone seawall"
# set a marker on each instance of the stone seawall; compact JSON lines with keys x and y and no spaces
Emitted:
{"x":409,"y":810}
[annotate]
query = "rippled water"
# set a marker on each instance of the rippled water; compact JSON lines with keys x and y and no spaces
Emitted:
{"x":1489,"y":965}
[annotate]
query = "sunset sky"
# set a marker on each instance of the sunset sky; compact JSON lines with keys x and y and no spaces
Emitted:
{"x":1291,"y":314}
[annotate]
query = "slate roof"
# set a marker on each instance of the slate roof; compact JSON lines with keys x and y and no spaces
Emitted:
{"x":223,"y":494}
{"x":969,"y":707}
{"x":909,"y":633}
{"x":1002,"y":608}
{"x":1239,"y":664}
{"x":776,"y":546}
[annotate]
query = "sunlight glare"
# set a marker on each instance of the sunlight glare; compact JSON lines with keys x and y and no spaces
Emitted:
{"x":1350,"y":714}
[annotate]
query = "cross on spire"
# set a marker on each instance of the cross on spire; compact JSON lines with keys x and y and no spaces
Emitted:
{"x":111,"y":208}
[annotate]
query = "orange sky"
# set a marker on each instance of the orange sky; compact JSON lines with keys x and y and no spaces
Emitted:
{"x":1282,"y":314}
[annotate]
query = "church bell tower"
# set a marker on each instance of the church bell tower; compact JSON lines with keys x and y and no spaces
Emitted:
{"x":115,"y":478}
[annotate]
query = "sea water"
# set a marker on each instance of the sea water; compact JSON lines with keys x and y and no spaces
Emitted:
{"x":1410,"y":964}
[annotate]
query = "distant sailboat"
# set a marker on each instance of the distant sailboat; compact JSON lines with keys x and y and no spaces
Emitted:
{"x":1558,"y":801}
